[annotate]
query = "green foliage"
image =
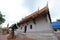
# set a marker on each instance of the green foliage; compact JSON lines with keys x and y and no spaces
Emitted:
{"x":2,"y":20}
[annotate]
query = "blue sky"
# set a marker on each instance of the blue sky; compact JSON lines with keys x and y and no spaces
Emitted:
{"x":15,"y":10}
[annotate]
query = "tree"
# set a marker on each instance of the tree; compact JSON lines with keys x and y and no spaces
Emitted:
{"x":2,"y":20}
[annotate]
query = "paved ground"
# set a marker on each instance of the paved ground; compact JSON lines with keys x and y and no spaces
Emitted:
{"x":3,"y":37}
{"x":26,"y":38}
{"x":58,"y":35}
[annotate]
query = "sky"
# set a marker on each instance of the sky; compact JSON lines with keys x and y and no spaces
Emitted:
{"x":15,"y":10}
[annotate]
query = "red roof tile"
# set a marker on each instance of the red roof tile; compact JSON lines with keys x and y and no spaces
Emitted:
{"x":33,"y":15}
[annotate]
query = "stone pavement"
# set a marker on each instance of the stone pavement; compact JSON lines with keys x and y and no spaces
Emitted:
{"x":26,"y":38}
{"x":3,"y":37}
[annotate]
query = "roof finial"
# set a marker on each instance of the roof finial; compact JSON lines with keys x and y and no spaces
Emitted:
{"x":47,"y":4}
{"x":38,"y":9}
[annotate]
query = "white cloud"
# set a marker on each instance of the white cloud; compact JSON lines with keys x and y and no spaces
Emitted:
{"x":54,"y":7}
{"x":14,"y":10}
{"x":54,"y":19}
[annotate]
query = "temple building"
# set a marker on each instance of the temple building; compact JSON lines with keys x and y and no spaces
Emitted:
{"x":36,"y":25}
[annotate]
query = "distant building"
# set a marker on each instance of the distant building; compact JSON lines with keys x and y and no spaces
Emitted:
{"x":5,"y":30}
{"x":56,"y":25}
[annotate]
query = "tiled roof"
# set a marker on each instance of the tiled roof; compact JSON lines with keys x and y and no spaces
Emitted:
{"x":34,"y":14}
{"x":13,"y":26}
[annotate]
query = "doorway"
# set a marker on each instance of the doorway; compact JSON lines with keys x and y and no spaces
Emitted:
{"x":25,"y":29}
